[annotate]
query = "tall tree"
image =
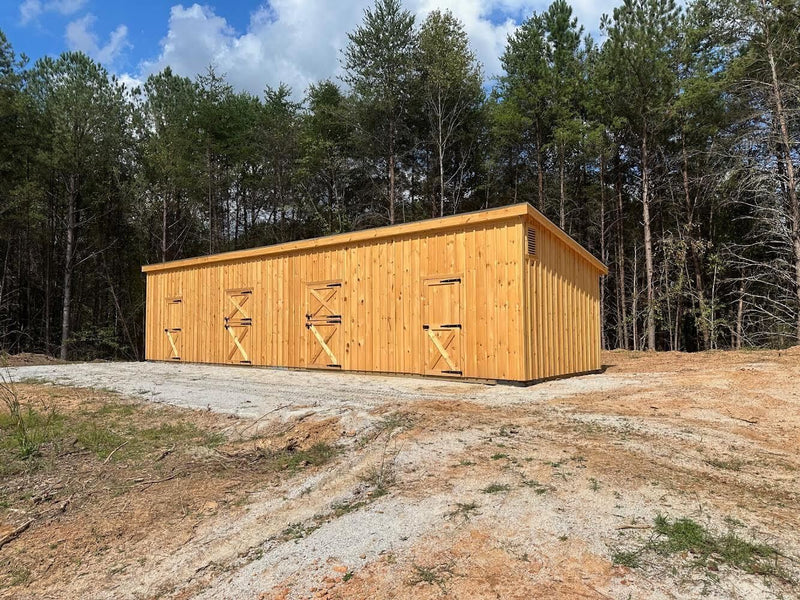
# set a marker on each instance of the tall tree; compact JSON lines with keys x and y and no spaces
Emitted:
{"x":87,"y":119}
{"x":379,"y":67}
{"x":565,"y":88}
{"x":641,"y":44}
{"x":524,"y":91}
{"x":451,"y":89}
{"x":169,"y":142}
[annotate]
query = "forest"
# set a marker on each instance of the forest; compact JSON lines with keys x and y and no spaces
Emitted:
{"x":669,"y":146}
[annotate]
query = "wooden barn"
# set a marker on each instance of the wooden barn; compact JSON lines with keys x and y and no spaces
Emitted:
{"x":500,"y":294}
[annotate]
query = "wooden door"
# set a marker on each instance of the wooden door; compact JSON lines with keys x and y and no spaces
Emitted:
{"x":238,"y":323}
{"x":442,"y":326}
{"x":173,"y":330}
{"x":323,"y":325}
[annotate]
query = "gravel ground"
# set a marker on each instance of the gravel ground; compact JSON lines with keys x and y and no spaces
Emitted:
{"x":495,"y":491}
{"x":253,"y":392}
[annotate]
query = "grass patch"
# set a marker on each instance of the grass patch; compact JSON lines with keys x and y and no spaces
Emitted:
{"x":707,"y":550}
{"x":379,"y":478}
{"x":496,"y":488}
{"x":437,"y":575}
{"x":464,"y":510}
{"x":538,"y":488}
{"x":733,"y":464}
{"x":499,"y":456}
{"x":294,"y":460}
{"x":18,"y":576}
{"x":626,"y":558}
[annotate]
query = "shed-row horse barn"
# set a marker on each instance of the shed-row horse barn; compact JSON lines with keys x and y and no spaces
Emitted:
{"x":499,"y":294}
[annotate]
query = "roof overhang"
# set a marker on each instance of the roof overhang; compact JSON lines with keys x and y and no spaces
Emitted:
{"x":505,"y":213}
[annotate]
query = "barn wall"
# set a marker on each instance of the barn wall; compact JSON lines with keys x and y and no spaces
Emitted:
{"x":383,"y":285}
{"x":562,"y":310}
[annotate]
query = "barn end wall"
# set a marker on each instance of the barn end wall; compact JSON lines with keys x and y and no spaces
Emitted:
{"x":381,"y":301}
{"x":562,"y":309}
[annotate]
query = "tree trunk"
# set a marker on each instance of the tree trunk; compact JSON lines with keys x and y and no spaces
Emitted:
{"x":794,"y":203}
{"x":539,"y":169}
{"x":739,"y":315}
{"x":69,"y":250}
{"x":622,"y":327}
{"x":562,"y":198}
{"x":441,"y":160}
{"x":164,"y":228}
{"x":391,"y":178}
{"x":698,"y":275}
{"x":648,"y":247}
{"x":603,"y":335}
{"x":635,"y":299}
{"x":210,"y":203}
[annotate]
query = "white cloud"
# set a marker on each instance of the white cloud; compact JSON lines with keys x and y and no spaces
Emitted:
{"x":30,"y":10}
{"x":298,"y":42}
{"x":80,"y":36}
{"x":129,"y":81}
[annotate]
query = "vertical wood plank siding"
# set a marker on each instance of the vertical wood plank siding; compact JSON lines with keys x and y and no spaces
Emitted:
{"x":523,"y":318}
{"x":562,"y":310}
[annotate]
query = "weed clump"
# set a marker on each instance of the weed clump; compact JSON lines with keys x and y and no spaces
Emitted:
{"x":707,"y":550}
{"x":495,"y":488}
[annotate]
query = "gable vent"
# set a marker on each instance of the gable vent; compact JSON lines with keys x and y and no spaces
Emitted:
{"x":531,"y":241}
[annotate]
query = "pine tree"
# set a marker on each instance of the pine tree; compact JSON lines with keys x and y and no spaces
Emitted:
{"x":641,"y":44}
{"x":86,"y":122}
{"x":451,"y":91}
{"x":379,"y":67}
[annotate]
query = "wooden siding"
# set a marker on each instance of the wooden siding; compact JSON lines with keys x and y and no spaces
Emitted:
{"x":383,"y":287}
{"x":385,"y":300}
{"x":562,"y":309}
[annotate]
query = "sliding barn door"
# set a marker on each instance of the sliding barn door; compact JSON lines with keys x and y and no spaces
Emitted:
{"x":238,"y":323}
{"x":442,"y":326}
{"x":323,"y":325}
{"x":173,"y":330}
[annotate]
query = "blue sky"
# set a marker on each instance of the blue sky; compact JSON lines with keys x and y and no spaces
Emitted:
{"x":254,"y":43}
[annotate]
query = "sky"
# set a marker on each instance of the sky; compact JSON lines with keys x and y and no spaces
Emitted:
{"x":297,"y":42}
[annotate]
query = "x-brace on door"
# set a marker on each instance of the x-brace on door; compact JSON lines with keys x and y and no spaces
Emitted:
{"x":323,"y":324}
{"x":238,"y":322}
{"x":173,"y":330}
{"x":442,"y":326}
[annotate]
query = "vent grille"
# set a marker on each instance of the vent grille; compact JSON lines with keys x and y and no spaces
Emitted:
{"x":531,"y":241}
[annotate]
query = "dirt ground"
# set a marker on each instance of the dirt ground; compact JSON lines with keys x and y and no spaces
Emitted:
{"x":667,"y":476}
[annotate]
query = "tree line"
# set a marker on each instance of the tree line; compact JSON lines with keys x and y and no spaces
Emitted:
{"x":669,"y":148}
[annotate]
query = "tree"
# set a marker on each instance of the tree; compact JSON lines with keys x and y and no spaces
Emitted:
{"x":641,"y":43}
{"x":565,"y":84}
{"x":87,"y":117}
{"x":451,"y":88}
{"x":213,"y":127}
{"x":325,"y":139}
{"x":169,"y":142}
{"x":524,"y":93}
{"x":379,"y":67}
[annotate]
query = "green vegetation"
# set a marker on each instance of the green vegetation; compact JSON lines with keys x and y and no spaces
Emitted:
{"x":537,"y":487}
{"x":704,"y":549}
{"x":294,"y":460}
{"x":496,"y":488}
{"x":733,"y":464}
{"x":437,"y":575}
{"x":464,"y":510}
{"x":626,"y":558}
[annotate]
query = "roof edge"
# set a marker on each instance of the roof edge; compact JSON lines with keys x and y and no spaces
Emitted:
{"x":539,"y":217}
{"x":365,"y":235}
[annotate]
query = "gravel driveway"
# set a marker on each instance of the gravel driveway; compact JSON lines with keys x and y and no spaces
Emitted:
{"x":253,"y":392}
